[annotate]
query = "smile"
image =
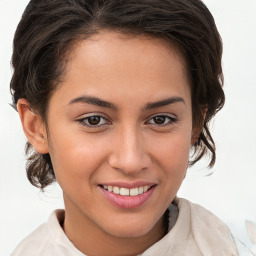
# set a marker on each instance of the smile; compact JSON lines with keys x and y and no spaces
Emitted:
{"x":127,"y":197}
{"x":126,"y":191}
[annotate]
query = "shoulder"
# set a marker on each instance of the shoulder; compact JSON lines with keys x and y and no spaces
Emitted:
{"x":193,"y":231}
{"x":200,"y":217}
{"x":33,"y":243}
{"x":48,"y":239}
{"x":211,"y":235}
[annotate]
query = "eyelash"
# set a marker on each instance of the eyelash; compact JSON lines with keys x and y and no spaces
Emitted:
{"x":171,"y":121}
{"x":84,"y":121}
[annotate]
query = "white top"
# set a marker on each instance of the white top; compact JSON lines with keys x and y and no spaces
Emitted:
{"x":196,"y":232}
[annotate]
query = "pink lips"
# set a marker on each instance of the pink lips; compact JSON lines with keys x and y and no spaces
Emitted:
{"x":128,"y":202}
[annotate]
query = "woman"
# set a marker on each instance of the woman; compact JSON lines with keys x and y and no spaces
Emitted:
{"x":113,"y":96}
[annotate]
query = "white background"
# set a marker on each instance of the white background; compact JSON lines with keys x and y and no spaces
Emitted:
{"x":230,"y":192}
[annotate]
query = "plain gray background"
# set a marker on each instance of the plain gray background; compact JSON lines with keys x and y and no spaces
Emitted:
{"x":230,"y":192}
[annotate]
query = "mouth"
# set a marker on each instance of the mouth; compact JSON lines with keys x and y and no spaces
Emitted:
{"x":126,"y":191}
{"x":127,"y":197}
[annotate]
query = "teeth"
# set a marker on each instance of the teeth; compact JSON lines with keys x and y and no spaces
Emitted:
{"x":116,"y":190}
{"x":134,"y":192}
{"x":126,"y":191}
{"x":141,"y":190}
{"x":146,"y":188}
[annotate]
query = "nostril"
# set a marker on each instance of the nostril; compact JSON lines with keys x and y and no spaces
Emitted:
{"x":130,"y":163}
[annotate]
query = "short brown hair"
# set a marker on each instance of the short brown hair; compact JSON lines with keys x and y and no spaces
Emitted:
{"x":48,"y":28}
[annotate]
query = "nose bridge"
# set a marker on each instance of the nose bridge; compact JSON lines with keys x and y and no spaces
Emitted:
{"x":130,"y":153}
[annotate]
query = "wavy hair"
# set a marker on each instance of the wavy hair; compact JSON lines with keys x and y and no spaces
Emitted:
{"x":47,"y":29}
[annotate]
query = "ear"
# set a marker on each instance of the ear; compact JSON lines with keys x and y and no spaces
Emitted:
{"x":33,"y":126}
{"x":198,"y":129}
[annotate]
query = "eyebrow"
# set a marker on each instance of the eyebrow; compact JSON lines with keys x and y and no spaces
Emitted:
{"x":164,"y":102}
{"x":93,"y":101}
{"x":102,"y":103}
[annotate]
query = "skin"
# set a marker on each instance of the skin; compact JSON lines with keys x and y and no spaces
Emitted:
{"x":126,"y":146}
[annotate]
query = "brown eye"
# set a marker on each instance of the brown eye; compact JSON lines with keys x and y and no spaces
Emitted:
{"x":159,"y":119}
{"x":94,"y":120}
{"x":162,"y":120}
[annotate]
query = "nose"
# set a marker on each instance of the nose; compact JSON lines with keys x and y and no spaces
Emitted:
{"x":129,"y":153}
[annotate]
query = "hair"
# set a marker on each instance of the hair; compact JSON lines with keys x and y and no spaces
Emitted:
{"x":48,"y":28}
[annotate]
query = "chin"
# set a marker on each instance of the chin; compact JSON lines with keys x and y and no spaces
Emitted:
{"x":128,"y":229}
{"x":135,"y":233}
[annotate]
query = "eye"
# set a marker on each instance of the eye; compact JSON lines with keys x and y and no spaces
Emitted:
{"x":93,"y":121}
{"x":162,"y":120}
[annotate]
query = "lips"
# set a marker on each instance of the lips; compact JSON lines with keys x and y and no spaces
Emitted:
{"x":124,"y":197}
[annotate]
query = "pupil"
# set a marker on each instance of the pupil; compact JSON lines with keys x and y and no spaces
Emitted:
{"x":159,"y":119}
{"x":94,"y":120}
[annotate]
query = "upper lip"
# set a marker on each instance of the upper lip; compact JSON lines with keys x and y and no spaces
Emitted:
{"x":130,"y":185}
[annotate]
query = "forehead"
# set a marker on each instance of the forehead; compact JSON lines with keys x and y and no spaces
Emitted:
{"x":116,"y":47}
{"x":120,"y":65}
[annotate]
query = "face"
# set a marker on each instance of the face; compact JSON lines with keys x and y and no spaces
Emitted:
{"x":119,"y":132}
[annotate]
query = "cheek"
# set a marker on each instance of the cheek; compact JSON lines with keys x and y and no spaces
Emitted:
{"x":75,"y":157}
{"x":171,"y":162}
{"x":172,"y":154}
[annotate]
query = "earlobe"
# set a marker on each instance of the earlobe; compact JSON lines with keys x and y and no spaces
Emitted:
{"x":33,"y":127}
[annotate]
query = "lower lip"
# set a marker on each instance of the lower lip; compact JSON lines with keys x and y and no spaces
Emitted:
{"x":128,"y":202}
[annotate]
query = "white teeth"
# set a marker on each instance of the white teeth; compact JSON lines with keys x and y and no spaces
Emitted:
{"x":134,"y":192}
{"x":141,"y":190}
{"x":116,"y":190}
{"x":126,"y":191}
{"x":146,"y":188}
